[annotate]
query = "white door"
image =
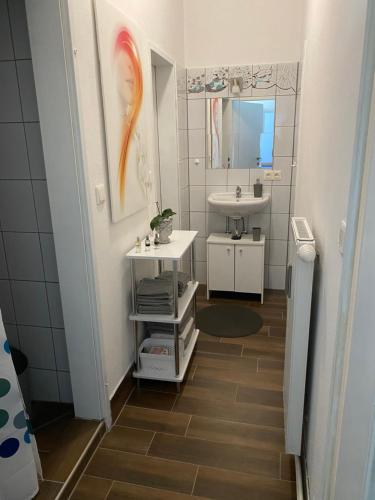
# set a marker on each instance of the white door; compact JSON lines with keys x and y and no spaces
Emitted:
{"x":249,"y":269}
{"x":221,"y":267}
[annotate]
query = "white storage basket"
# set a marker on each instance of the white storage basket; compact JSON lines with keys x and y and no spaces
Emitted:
{"x":157,"y":365}
{"x":184,"y":337}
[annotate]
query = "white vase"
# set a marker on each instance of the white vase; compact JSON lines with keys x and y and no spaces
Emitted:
{"x":165,"y":230}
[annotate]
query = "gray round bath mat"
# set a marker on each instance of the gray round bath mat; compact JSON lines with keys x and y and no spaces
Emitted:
{"x":228,"y":320}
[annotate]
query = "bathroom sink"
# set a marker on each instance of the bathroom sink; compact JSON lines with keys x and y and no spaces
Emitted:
{"x":229,"y":205}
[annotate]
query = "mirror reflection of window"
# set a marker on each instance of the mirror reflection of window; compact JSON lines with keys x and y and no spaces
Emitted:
{"x":240,"y":133}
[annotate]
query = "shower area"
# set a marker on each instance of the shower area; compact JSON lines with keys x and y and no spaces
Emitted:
{"x":30,"y":300}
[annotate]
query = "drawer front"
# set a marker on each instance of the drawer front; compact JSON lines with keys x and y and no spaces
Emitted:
{"x":249,"y":269}
{"x":221,"y":267}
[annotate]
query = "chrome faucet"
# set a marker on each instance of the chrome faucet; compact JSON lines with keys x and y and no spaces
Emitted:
{"x":238,"y":192}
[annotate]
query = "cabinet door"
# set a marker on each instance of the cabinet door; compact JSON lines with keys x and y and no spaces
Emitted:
{"x":249,"y":269}
{"x":221,"y":267}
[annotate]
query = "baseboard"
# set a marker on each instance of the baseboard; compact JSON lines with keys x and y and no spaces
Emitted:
{"x":305,"y":477}
{"x":122,"y":393}
{"x":302,"y":477}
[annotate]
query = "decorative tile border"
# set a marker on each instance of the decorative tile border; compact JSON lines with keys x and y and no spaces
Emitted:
{"x":196,"y":83}
{"x":286,"y":81}
{"x":246,"y":73}
{"x":217,"y":82}
{"x":257,"y":80}
{"x":264,"y":79}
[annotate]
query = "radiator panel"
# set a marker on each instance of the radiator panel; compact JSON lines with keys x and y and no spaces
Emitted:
{"x":299,"y":289}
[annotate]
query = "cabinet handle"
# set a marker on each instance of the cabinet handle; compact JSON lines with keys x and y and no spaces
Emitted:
{"x":228,"y":250}
{"x":240,"y":251}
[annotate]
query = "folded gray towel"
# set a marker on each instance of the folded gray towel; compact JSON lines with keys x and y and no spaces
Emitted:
{"x":155,"y":296}
{"x":183,"y":280}
{"x":160,"y":288}
{"x":154,"y":309}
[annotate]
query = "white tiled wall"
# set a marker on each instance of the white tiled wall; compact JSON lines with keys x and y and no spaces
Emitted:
{"x":279,"y":80}
{"x":183,"y":160}
{"x":29,"y":289}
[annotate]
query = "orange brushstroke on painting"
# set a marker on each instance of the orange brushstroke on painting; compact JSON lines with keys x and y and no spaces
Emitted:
{"x":132,"y":91}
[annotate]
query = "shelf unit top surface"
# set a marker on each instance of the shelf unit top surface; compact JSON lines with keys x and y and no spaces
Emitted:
{"x":180,"y":242}
{"x":223,"y":238}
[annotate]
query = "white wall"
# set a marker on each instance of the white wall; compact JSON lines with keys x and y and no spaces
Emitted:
{"x":330,"y":88}
{"x":230,"y":32}
{"x":162,"y":22}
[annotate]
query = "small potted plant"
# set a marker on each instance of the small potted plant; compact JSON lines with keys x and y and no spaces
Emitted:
{"x":162,"y":224}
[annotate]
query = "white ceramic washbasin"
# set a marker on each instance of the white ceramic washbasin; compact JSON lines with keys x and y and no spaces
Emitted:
{"x":229,"y":205}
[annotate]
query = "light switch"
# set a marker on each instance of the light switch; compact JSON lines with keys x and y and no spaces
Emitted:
{"x":100,"y":194}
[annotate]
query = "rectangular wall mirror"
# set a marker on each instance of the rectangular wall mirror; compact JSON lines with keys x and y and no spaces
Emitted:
{"x":240,"y":132}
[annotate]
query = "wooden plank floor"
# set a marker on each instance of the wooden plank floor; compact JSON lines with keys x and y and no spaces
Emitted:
{"x":61,"y":445}
{"x":222,"y":437}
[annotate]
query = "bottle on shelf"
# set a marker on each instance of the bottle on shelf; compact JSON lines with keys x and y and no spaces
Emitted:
{"x":138,"y":245}
{"x":147,"y":244}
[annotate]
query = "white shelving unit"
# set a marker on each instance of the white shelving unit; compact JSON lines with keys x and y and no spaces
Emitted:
{"x":180,"y":243}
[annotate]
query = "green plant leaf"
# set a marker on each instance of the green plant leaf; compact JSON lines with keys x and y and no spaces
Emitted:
{"x":155,"y":222}
{"x":168,"y":212}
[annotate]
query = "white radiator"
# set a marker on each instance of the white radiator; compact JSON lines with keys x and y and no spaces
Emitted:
{"x":299,"y":289}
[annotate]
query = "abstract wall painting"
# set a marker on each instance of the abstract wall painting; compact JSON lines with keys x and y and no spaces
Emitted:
{"x":122,"y":66}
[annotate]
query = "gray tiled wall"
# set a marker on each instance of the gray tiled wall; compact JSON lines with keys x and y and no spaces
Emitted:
{"x":29,"y":289}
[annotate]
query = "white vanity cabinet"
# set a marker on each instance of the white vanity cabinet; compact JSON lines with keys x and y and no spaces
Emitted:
{"x":221,"y":266}
{"x":235,"y":265}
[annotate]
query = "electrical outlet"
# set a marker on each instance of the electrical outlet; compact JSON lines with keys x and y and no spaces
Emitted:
{"x":268,"y":175}
{"x":277,"y":175}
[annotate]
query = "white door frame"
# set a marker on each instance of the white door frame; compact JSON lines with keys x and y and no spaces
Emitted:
{"x":354,"y":446}
{"x":351,"y":253}
{"x":53,"y":64}
{"x":166,"y":99}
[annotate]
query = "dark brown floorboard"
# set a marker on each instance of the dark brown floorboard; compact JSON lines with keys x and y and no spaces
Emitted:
{"x":256,"y":436}
{"x":146,"y":471}
{"x":154,"y":420}
{"x":151,"y":399}
{"x":264,"y":397}
{"x":235,"y":412}
{"x":127,"y":439}
{"x":48,"y":490}
{"x":213,"y":454}
{"x":91,"y":488}
{"x":219,"y":348}
{"x":210,"y":389}
{"x":121,"y":491}
{"x":63,"y":443}
{"x":224,"y":485}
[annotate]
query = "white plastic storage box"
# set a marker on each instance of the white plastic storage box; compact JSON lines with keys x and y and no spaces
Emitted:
{"x":158,"y":365}
{"x":184,"y":337}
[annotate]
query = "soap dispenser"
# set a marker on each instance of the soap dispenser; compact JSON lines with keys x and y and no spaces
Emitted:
{"x":258,"y":189}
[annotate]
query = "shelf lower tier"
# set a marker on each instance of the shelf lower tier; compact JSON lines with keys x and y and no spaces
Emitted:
{"x":183,"y":304}
{"x":184,"y":363}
